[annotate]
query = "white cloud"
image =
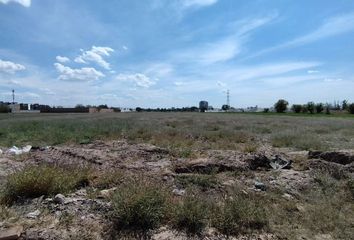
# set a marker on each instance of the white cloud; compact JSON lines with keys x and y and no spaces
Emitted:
{"x":312,"y":71}
{"x":62,"y":59}
{"x":95,"y":55}
{"x":331,"y":27}
{"x":80,"y":74}
{"x":25,"y":3}
{"x":125,"y":48}
{"x":198,"y":3}
{"x":138,"y":79}
{"x":10,"y":67}
{"x":180,"y":83}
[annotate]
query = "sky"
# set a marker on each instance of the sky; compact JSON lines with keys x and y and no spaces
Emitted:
{"x":174,"y":53}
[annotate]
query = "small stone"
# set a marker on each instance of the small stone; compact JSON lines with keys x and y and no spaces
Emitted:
{"x":287,"y":196}
{"x":59,"y":198}
{"x":12,"y":233}
{"x":34,"y":214}
{"x":106,"y":193}
{"x":178,"y":192}
{"x":260,"y":186}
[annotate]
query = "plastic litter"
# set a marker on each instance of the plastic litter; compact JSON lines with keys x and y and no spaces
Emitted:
{"x":280,"y":163}
{"x":0,"y":151}
{"x":17,"y":151}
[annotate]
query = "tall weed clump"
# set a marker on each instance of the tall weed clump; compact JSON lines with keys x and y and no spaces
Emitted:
{"x":36,"y":181}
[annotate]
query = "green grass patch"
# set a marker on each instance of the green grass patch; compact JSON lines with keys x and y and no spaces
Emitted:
{"x":36,"y":181}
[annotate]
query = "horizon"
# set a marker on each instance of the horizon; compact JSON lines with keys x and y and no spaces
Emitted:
{"x":174,"y":54}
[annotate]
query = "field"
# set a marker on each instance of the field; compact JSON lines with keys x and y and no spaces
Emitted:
{"x":178,"y":176}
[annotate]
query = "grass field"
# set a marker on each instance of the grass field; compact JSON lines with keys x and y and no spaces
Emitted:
{"x":182,"y":130}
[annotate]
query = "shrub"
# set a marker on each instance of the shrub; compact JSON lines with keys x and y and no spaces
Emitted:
{"x":311,"y":107}
{"x":239,"y":214}
{"x":281,"y":106}
{"x":35,"y":181}
{"x":351,"y":108}
{"x":266,"y":110}
{"x":4,"y":108}
{"x":191,"y":215}
{"x":138,"y":206}
{"x":296,"y":108}
{"x":319,"y":108}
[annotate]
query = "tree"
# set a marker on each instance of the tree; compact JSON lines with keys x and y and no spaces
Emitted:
{"x":351,"y":108}
{"x":297,"y":108}
{"x":311,"y":107}
{"x":225,"y":107}
{"x":328,"y":108}
{"x":319,"y":108}
{"x":138,"y":109}
{"x":281,"y":106}
{"x":79,"y":106}
{"x":345,"y":105}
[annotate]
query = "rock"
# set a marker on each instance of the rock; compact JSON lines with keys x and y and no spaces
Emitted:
{"x":287,"y":196}
{"x":178,"y":192}
{"x":33,"y":215}
{"x":343,"y":158}
{"x":0,"y":151}
{"x":59,"y":199}
{"x":106,"y":193}
{"x":12,"y":233}
{"x":280,"y":163}
{"x":259,"y":185}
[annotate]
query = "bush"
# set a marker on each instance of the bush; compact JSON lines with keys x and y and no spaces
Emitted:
{"x":319,"y":108}
{"x":351,"y":108}
{"x":4,"y":108}
{"x":311,"y":107}
{"x":281,"y":106}
{"x":296,"y":108}
{"x":238,"y":215}
{"x":36,"y":181}
{"x":191,"y":215}
{"x":138,"y":206}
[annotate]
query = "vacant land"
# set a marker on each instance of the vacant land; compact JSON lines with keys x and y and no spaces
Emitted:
{"x":178,"y":176}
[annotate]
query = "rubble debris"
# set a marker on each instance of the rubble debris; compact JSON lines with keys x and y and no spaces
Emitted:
{"x":0,"y":151}
{"x":280,"y":163}
{"x":18,"y":151}
{"x":34,"y":215}
{"x":12,"y":233}
{"x":178,"y":192}
{"x":262,"y":161}
{"x":107,"y":193}
{"x":342,"y":158}
{"x":207,"y":167}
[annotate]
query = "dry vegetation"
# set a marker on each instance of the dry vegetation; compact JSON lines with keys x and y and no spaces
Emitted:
{"x":119,"y":174}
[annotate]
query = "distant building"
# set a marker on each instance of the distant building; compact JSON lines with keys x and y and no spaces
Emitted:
{"x":203,"y":106}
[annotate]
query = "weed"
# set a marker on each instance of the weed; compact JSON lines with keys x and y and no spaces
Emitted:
{"x":191,"y":215}
{"x":203,"y":181}
{"x":138,"y":206}
{"x":239,"y":214}
{"x":35,"y":181}
{"x":109,"y":179}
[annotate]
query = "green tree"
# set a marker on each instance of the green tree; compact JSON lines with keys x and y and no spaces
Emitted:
{"x":344,"y":105}
{"x":351,"y":108}
{"x":319,"y":108}
{"x":311,"y":107}
{"x":281,"y":106}
{"x":297,"y":108}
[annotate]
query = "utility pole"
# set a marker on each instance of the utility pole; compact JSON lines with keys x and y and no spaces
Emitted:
{"x":13,"y":96}
{"x":228,"y":98}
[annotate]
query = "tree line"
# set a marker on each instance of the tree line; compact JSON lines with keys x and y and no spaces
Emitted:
{"x":281,"y":106}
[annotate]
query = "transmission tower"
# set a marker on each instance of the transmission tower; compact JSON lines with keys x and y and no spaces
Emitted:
{"x":13,"y":96}
{"x":228,"y":97}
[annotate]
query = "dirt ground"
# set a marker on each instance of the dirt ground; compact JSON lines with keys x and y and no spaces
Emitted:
{"x":80,"y":215}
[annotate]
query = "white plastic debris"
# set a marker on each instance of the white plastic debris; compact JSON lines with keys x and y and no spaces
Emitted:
{"x":34,"y":214}
{"x":17,"y":151}
{"x":0,"y":151}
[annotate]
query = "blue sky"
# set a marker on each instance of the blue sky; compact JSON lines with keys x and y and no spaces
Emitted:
{"x":164,"y":53}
